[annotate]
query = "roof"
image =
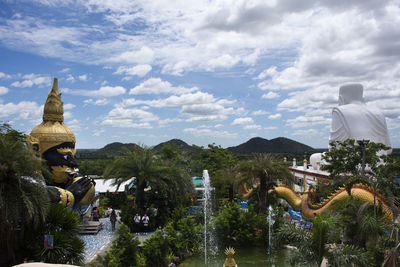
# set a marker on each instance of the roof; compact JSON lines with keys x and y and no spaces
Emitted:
{"x":197,"y":181}
{"x":102,"y":186}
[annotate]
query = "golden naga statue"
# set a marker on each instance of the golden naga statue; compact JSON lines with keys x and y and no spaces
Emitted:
{"x":54,"y":142}
{"x":229,"y":261}
{"x":303,"y":203}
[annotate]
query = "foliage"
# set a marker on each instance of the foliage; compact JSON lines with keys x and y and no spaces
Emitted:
{"x":23,"y":197}
{"x":92,"y":167}
{"x":64,"y":225}
{"x":123,"y":251}
{"x":185,"y":238}
{"x":235,"y":226}
{"x":212,"y":159}
{"x":155,"y":250}
{"x":313,"y":246}
{"x":165,"y":179}
{"x":265,"y":169}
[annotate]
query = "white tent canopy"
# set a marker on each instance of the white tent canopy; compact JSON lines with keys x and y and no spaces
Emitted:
{"x":102,"y":186}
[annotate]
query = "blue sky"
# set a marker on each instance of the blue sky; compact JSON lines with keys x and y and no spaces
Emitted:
{"x":202,"y":71}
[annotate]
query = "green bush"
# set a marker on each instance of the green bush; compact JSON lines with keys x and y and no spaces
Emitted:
{"x":184,"y":240}
{"x":235,"y":227}
{"x":155,"y":250}
{"x":123,"y":249}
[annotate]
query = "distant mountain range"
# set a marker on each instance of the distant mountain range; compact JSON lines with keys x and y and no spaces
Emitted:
{"x":254,"y":145}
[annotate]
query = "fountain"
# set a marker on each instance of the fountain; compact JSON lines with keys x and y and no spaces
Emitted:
{"x":210,"y":246}
{"x":271,"y":222}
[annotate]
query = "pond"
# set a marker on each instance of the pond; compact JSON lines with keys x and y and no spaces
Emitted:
{"x":244,"y":257}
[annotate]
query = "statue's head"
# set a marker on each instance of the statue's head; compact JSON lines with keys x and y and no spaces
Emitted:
{"x":53,"y":140}
{"x":350,"y":93}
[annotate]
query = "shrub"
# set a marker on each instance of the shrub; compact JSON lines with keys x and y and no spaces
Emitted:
{"x":235,"y":227}
{"x":155,"y":250}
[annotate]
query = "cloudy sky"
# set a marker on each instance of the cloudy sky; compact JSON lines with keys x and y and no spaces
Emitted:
{"x":202,"y":71}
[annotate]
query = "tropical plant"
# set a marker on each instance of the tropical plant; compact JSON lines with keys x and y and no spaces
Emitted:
{"x":312,"y":247}
{"x":155,"y":250}
{"x":234,"y":226}
{"x":123,"y":251}
{"x":63,"y":224}
{"x":266,"y":170}
{"x":23,"y":197}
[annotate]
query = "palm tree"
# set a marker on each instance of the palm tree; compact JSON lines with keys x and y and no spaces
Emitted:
{"x":23,"y":197}
{"x":312,"y":247}
{"x":230,"y":177}
{"x":64,"y":225}
{"x":141,"y":164}
{"x":267,"y":170}
{"x":149,"y":169}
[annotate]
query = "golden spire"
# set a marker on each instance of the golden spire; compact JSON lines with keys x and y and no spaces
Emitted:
{"x":229,"y":261}
{"x":52,"y":131}
{"x":53,"y":108}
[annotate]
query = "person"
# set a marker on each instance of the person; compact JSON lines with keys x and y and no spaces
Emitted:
{"x":137,"y":219}
{"x":145,"y":220}
{"x":353,"y":119}
{"x":95,"y":214}
{"x":113,"y":219}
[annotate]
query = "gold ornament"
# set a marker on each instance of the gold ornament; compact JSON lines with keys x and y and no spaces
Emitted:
{"x":52,"y":131}
{"x":229,"y":261}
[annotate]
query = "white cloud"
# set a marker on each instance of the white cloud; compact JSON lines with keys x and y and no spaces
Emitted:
{"x":306,"y":133}
{"x":33,"y":79}
{"x":98,"y":132}
{"x":3,"y":90}
{"x":25,"y":110}
{"x":82,"y":77}
{"x":70,"y":78}
{"x":252,"y":127}
{"x":69,"y":106}
{"x":243,"y":121}
{"x":143,"y":56}
{"x":64,"y":70}
{"x":4,"y":76}
{"x":158,"y":86}
{"x":129,"y":118}
{"x":104,"y":91}
{"x":259,"y":112}
{"x":98,"y":102}
{"x":276,"y":116}
{"x":308,"y":120}
{"x":204,"y":132}
{"x":138,"y":70}
{"x":270,"y":128}
{"x":270,"y":95}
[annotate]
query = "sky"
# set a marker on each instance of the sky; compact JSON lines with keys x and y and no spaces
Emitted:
{"x":204,"y":71}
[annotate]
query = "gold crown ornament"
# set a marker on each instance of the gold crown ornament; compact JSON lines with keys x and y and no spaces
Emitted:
{"x":52,"y":131}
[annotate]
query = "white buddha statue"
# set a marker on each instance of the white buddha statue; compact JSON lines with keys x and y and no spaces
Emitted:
{"x":353,"y":119}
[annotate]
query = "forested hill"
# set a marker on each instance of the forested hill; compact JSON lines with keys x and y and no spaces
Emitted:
{"x":254,"y":145}
{"x":174,"y":143}
{"x":277,"y":145}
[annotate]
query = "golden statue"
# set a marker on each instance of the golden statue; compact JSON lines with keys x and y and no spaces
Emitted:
{"x":54,"y":142}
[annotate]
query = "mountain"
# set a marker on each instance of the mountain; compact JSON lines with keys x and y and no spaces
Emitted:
{"x":276,"y":145}
{"x":117,"y":148}
{"x":175,"y":143}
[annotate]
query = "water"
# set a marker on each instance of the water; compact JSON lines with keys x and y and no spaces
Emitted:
{"x":271,"y":222}
{"x":210,"y":244}
{"x":244,"y":257}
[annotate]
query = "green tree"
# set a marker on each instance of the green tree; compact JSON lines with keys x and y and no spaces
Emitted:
{"x":235,"y":227}
{"x":141,"y":164}
{"x":63,"y":224}
{"x":346,"y":159}
{"x":155,"y":249}
{"x":230,"y":178}
{"x":313,"y":247}
{"x":266,"y":170}
{"x":123,"y":251}
{"x":23,"y":197}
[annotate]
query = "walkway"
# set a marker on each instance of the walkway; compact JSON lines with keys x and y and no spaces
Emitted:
{"x":98,"y":244}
